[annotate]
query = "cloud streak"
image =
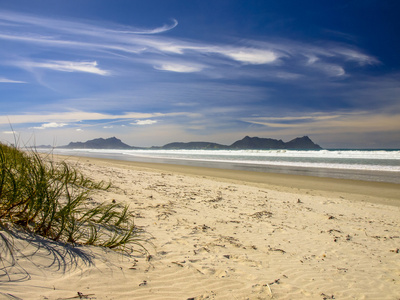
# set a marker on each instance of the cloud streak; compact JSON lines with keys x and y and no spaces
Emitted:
{"x":318,"y":123}
{"x":70,"y":117}
{"x":80,"y":118}
{"x":65,"y":66}
{"x":178,"y":67}
{"x":13,"y":19}
{"x":158,"y":30}
{"x":251,"y":56}
{"x":5,"y":80}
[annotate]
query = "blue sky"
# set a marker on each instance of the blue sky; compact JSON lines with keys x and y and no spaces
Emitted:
{"x":152,"y":72}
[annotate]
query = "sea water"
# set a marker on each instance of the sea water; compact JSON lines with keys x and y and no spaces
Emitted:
{"x":372,"y":165}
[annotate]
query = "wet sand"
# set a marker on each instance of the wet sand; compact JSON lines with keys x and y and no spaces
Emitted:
{"x":379,"y":192}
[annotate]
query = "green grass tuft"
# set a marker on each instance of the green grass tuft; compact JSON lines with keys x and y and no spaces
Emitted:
{"x":40,"y":196}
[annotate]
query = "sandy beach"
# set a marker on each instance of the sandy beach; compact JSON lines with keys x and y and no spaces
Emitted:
{"x":224,"y":234}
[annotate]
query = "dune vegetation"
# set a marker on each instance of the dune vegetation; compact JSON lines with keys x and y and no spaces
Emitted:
{"x":53,"y":199}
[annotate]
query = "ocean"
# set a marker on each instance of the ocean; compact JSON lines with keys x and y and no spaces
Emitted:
{"x":370,"y":165}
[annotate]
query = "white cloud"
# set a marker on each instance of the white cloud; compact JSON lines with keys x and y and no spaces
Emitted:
{"x":51,"y":125}
{"x":329,"y":69}
{"x":5,"y":80}
{"x":66,"y":66}
{"x":252,"y":56}
{"x":144,"y":122}
{"x":179,"y":68}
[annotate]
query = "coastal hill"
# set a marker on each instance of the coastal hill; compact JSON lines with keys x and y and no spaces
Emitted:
{"x":247,"y":143}
{"x":110,"y":143}
{"x":258,"y":143}
{"x":304,"y":143}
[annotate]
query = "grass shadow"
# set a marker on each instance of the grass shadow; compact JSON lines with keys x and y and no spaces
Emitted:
{"x":30,"y":250}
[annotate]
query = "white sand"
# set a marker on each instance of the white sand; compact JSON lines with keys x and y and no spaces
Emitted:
{"x":219,"y":238}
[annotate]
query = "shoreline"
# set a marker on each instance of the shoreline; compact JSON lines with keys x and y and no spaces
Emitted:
{"x":340,"y":173}
{"x":359,"y":190}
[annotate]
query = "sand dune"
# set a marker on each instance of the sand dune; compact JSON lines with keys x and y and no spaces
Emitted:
{"x":223,"y":238}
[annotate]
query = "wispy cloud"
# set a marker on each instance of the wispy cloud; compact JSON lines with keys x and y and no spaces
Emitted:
{"x":357,"y":56}
{"x":310,"y":118}
{"x":329,"y":69}
{"x":161,"y":29}
{"x":65,"y":66}
{"x":67,"y":117}
{"x":334,"y":123}
{"x":79,"y":118}
{"x":19,"y":19}
{"x":179,"y":68}
{"x":6,"y":80}
{"x":251,"y":56}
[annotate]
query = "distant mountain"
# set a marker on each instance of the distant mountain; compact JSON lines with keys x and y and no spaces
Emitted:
{"x":110,"y":143}
{"x":256,"y":143}
{"x":303,"y":143}
{"x":194,"y":146}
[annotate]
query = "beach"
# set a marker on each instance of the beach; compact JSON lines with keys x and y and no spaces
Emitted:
{"x":224,"y":234}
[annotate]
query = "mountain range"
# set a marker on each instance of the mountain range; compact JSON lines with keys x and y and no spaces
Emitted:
{"x":247,"y":143}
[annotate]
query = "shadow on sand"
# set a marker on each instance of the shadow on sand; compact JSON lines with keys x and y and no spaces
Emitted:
{"x":20,"y":252}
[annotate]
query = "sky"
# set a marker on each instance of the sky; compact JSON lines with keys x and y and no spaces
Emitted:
{"x":158,"y":71}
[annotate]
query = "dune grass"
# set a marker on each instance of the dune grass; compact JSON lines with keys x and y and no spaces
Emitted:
{"x":51,"y":199}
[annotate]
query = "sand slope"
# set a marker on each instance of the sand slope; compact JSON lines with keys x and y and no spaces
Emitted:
{"x":215,"y":239}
